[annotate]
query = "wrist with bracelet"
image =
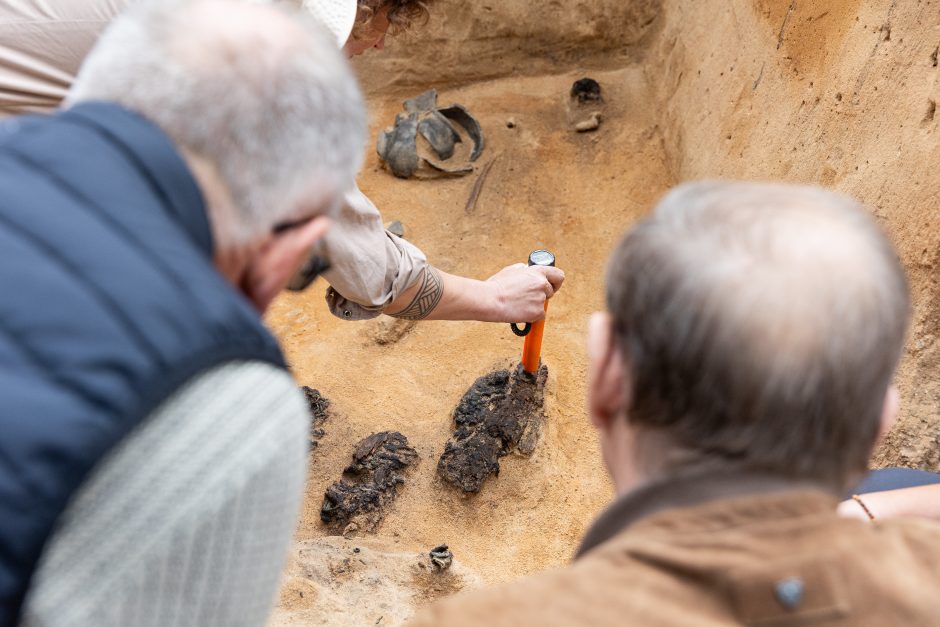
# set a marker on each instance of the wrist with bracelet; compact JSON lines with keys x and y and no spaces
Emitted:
{"x":864,"y":507}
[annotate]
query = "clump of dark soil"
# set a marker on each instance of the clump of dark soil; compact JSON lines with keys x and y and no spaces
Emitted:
{"x":586,"y":90}
{"x":370,"y":483}
{"x":319,"y":411}
{"x":585,"y":105}
{"x":501,"y":413}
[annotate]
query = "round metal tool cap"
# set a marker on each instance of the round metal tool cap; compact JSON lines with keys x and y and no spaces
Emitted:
{"x":541,"y":258}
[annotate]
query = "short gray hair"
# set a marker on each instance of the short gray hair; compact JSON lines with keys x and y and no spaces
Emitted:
{"x":262,"y":92}
{"x":761,"y":325}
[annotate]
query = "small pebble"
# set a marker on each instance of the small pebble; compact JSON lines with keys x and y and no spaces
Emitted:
{"x":396,"y":228}
{"x":590,"y":124}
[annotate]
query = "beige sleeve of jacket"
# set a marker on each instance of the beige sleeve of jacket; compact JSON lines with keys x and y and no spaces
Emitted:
{"x":42,"y":45}
{"x":369,"y":267}
{"x":188,"y":521}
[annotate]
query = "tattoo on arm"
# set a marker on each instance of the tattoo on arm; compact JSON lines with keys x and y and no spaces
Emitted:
{"x":428,"y":297}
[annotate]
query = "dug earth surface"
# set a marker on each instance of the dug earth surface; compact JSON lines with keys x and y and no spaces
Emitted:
{"x":841,"y":94}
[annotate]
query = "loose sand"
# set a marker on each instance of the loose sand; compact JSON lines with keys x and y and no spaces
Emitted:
{"x":837,"y":93}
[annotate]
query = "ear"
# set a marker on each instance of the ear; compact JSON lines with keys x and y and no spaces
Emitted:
{"x":280,"y":256}
{"x":607,"y":373}
{"x":889,"y":411}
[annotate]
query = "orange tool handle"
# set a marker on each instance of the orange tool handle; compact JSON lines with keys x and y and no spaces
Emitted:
{"x":532,"y":349}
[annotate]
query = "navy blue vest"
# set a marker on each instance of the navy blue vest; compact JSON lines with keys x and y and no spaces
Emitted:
{"x":109,"y":302}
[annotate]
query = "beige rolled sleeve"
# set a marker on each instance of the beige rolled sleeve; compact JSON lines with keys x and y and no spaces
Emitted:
{"x":369,"y":267}
{"x":42,"y":46}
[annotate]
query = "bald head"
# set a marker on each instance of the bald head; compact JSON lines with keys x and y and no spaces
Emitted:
{"x":761,"y":325}
{"x":259,"y":91}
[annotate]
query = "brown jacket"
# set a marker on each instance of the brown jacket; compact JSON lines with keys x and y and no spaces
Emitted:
{"x":722,"y":551}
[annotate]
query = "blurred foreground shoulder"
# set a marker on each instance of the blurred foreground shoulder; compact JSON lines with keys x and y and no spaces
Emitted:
{"x":208,"y":487}
{"x":551,"y":598}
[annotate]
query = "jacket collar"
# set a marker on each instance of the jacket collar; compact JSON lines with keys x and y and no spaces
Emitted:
{"x":682,"y":492}
{"x":158,"y":159}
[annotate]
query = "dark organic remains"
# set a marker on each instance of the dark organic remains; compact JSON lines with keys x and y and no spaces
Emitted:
{"x":586,"y":90}
{"x":501,"y":413}
{"x":319,"y":410}
{"x":370,"y":483}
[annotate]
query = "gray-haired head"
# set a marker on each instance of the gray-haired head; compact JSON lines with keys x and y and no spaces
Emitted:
{"x":761,"y":325}
{"x":261,"y":92}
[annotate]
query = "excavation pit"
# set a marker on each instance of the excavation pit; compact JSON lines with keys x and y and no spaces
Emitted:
{"x":807,"y":92}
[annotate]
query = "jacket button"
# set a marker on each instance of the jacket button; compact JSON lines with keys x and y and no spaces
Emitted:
{"x":789,"y":592}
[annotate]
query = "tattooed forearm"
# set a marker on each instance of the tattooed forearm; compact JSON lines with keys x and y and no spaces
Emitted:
{"x":428,"y":297}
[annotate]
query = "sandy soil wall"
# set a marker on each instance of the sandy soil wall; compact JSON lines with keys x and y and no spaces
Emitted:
{"x":841,"y":94}
{"x":483,"y":39}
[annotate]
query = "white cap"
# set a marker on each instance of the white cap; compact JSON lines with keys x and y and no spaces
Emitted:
{"x":338,"y":16}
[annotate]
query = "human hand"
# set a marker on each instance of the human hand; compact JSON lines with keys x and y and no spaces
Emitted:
{"x":520,"y":291}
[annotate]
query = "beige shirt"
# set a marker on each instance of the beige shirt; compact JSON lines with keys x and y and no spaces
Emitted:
{"x":369,"y":267}
{"x":42,"y":45}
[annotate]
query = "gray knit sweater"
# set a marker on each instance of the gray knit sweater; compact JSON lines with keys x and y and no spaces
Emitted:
{"x":188,"y":521}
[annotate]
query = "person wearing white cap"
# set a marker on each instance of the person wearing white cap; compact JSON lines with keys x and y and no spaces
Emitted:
{"x":371,"y":271}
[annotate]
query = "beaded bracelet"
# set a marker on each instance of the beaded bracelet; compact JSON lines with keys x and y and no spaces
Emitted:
{"x":858,"y":500}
